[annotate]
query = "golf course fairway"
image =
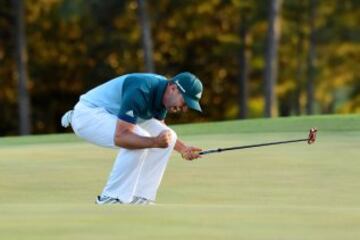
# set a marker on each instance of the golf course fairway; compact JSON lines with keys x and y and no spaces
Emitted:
{"x":48,"y":185}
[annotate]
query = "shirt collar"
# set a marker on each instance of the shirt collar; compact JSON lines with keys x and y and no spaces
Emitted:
{"x":160,"y":91}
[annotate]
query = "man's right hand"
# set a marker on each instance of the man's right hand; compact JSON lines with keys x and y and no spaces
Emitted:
{"x":163,"y":139}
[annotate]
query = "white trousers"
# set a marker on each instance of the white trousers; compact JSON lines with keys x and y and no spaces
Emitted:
{"x":135,"y":172}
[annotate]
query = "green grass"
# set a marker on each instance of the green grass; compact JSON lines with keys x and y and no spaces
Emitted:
{"x":295,"y":191}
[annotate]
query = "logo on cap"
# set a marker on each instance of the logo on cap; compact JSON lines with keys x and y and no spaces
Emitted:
{"x":181,"y":88}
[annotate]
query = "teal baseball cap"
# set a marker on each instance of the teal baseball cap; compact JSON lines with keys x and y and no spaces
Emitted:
{"x":191,"y":89}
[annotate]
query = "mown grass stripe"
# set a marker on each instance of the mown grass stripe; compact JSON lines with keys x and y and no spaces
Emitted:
{"x":349,"y":122}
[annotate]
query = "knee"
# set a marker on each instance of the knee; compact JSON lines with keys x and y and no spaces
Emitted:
{"x":173,"y":136}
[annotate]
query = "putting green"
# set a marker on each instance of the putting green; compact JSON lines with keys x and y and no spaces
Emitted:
{"x":48,"y":186}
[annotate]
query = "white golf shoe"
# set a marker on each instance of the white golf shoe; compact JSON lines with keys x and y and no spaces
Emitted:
{"x":141,"y":201}
{"x":102,"y":200}
{"x":66,"y":119}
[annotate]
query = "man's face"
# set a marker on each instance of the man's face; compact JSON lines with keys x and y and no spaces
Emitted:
{"x":175,"y":102}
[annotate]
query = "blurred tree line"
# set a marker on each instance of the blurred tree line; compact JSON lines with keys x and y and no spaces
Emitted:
{"x":255,"y":58}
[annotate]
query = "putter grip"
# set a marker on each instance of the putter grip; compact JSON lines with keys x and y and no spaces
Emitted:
{"x":210,"y":151}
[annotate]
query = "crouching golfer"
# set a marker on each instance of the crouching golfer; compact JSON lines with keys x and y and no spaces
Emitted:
{"x":128,"y":113}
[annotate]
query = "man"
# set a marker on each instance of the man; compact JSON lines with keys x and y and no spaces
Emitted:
{"x":128,"y":113}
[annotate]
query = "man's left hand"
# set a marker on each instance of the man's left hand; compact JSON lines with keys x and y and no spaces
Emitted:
{"x":191,"y":153}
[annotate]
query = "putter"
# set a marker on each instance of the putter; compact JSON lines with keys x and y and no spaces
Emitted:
{"x":310,"y":140}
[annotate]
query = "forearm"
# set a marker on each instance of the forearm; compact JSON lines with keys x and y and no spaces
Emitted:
{"x":131,"y":140}
{"x":180,"y":146}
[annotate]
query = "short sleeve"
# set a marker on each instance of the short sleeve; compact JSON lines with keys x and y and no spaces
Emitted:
{"x":130,"y":107}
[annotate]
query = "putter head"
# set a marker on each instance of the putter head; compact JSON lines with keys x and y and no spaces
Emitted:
{"x":312,"y":136}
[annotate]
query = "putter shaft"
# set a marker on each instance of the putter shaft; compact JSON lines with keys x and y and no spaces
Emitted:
{"x":310,"y":140}
{"x":250,"y":146}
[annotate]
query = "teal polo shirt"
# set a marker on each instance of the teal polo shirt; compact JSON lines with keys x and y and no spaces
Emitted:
{"x":132,"y":98}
